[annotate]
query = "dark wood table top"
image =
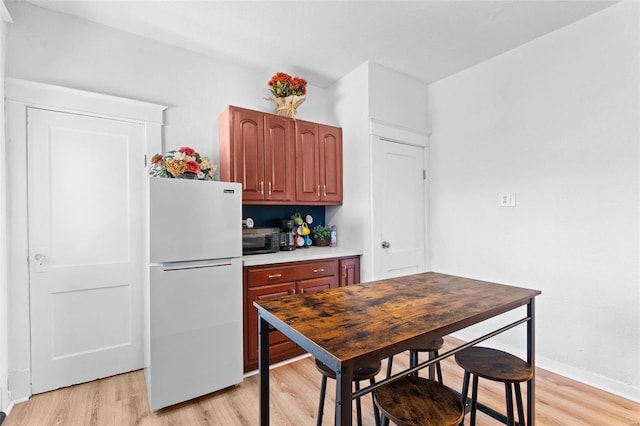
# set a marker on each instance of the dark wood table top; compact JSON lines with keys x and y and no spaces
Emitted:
{"x":381,"y":318}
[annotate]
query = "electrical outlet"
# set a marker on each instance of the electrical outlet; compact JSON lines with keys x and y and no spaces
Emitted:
{"x":508,"y":199}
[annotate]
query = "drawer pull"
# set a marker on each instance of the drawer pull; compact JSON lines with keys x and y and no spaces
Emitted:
{"x":325,"y":190}
{"x":274,"y":276}
{"x":315,"y":271}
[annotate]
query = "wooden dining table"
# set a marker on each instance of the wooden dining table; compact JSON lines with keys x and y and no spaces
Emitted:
{"x":350,"y":326}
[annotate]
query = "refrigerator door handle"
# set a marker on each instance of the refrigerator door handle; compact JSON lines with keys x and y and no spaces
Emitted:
{"x":198,"y":266}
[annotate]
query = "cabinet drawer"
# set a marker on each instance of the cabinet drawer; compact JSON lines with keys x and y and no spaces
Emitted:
{"x":289,"y":273}
{"x":316,"y":284}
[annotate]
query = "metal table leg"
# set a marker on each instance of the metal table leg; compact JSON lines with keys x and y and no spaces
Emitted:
{"x":531,"y":359}
{"x":344,"y":377}
{"x":263,"y":360}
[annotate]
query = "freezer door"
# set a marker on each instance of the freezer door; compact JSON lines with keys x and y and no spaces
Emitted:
{"x":195,"y":330}
{"x":194,"y":220}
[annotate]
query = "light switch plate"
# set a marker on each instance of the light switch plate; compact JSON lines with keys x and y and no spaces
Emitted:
{"x":508,"y":199}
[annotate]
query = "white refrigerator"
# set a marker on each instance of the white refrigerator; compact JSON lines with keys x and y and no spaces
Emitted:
{"x":194,"y":298}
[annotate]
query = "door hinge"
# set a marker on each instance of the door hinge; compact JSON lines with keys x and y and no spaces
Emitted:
{"x":145,"y":160}
{"x":424,"y":174}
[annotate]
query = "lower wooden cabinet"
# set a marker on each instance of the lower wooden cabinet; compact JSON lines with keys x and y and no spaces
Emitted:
{"x":272,"y":281}
{"x":279,"y":344}
{"x":349,"y":271}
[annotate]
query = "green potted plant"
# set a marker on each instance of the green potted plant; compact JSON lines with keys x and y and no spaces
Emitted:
{"x":321,"y":234}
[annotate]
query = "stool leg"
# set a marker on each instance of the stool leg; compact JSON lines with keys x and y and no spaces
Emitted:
{"x":507,"y":389}
{"x":389,"y":365}
{"x":376,"y":413}
{"x":414,"y":359}
{"x":432,"y":367}
{"x":358,"y":406}
{"x":465,"y":391}
{"x":323,"y":391}
{"x":438,"y":368}
{"x":474,"y":400}
{"x":519,"y":404}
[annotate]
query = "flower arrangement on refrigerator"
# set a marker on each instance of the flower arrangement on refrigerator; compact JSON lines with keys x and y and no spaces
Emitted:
{"x":288,"y":93}
{"x":184,"y":163}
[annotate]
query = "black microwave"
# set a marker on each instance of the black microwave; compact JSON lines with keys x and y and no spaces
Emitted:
{"x":260,"y":240}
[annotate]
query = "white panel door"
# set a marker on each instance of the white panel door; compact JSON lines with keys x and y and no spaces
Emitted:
{"x":86,"y":227}
{"x":399,"y":216}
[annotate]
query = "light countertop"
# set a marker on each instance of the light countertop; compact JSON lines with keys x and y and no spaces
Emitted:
{"x":299,"y":255}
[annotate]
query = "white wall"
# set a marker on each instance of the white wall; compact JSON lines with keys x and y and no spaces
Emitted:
{"x":349,"y":99}
{"x":58,"y":49}
{"x":555,"y":121}
{"x":4,"y":372}
{"x":397,"y":98}
{"x":368,"y":92}
{"x":53,"y":48}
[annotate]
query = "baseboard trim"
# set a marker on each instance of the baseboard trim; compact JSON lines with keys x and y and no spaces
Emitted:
{"x":591,"y":379}
{"x":4,"y":414}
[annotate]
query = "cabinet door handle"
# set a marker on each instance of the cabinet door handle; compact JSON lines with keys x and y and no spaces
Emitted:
{"x":262,"y":187}
{"x":318,"y":190}
{"x":315,"y":271}
{"x":274,"y":276}
{"x":269,"y":188}
{"x":325,"y":190}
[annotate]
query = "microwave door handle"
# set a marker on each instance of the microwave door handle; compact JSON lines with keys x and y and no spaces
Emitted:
{"x":200,"y":266}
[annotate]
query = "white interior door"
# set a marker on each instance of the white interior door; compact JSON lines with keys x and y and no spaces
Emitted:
{"x":86,"y":227}
{"x":399,"y":218}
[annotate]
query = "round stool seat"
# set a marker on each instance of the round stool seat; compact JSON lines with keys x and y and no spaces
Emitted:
{"x":365,"y":372}
{"x":416,"y":401}
{"x":494,"y":365}
{"x":430,"y":345}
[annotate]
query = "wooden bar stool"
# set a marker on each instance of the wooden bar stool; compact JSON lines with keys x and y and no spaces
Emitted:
{"x":367,"y":372}
{"x":416,"y":401}
{"x":498,"y":366}
{"x":431,"y":346}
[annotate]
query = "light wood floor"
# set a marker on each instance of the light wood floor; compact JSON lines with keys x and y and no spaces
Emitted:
{"x":121,"y":401}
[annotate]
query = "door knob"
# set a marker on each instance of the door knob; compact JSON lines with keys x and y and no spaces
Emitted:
{"x":40,"y":264}
{"x":386,"y":244}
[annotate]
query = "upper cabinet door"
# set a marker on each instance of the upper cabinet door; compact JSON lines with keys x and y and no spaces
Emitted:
{"x":318,"y":163}
{"x":330,"y":139}
{"x":307,"y":162}
{"x":279,"y":160}
{"x":248,"y":156}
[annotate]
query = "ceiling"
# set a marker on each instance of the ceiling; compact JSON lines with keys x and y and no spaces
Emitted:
{"x":324,"y":40}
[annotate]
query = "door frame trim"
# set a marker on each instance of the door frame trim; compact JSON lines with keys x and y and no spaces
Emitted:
{"x":20,"y":96}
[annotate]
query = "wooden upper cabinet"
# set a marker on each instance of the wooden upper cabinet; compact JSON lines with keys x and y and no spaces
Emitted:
{"x":256,"y":149}
{"x":279,"y":160}
{"x":330,"y":139}
{"x":307,"y":162}
{"x":318,"y":163}
{"x":248,"y":158}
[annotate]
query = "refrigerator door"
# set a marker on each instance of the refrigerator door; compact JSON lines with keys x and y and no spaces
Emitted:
{"x":194,"y":220}
{"x":195,"y":330}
